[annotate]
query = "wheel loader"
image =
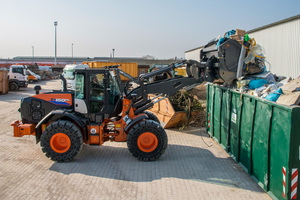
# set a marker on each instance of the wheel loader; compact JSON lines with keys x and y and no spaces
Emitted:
{"x":102,"y":108}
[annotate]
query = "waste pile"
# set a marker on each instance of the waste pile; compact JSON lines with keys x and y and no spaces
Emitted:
{"x":266,"y":85}
{"x":252,"y":76}
{"x":192,"y":104}
{"x":184,"y":101}
{"x":45,"y":72}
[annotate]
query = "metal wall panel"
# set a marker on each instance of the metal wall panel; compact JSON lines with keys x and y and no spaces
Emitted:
{"x":282,"y":45}
{"x":193,"y":55}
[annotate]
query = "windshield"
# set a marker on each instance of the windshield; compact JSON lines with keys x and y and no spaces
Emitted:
{"x":69,"y":74}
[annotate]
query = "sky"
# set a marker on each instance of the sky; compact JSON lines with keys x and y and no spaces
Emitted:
{"x":134,"y":28}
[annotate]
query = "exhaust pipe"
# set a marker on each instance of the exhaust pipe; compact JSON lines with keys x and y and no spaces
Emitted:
{"x":64,"y":82}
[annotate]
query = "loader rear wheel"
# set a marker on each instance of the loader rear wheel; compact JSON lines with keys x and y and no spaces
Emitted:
{"x":152,"y":116}
{"x":147,"y":140}
{"x":61,"y":141}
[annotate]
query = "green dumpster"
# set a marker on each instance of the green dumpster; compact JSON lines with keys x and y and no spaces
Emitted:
{"x":262,"y":136}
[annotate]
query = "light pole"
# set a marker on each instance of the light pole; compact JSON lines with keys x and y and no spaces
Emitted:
{"x":72,"y":52}
{"x":113,"y":53}
{"x":32,"y":54}
{"x":55,"y":25}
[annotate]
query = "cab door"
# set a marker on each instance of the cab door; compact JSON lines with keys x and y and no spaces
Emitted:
{"x":80,"y":94}
{"x":91,"y":94}
{"x":97,"y":92}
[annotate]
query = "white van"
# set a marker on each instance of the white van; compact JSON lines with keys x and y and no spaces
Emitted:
{"x":68,"y":73}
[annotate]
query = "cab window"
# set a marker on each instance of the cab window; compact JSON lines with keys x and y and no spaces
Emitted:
{"x":17,"y":70}
{"x":114,"y":90}
{"x":97,"y":91}
{"x":79,"y":89}
{"x":97,"y":86}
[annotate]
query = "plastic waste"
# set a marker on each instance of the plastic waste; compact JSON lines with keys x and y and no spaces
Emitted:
{"x":242,"y":83}
{"x":275,"y":95}
{"x":221,"y":40}
{"x":266,"y":75}
{"x":229,"y":33}
{"x":255,"y":52}
{"x":226,"y":35}
{"x":246,"y":38}
{"x":257,"y":83}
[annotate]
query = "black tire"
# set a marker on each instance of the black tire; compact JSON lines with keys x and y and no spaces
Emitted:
{"x":13,"y":86}
{"x":147,"y":127}
{"x":152,"y":116}
{"x":71,"y":131}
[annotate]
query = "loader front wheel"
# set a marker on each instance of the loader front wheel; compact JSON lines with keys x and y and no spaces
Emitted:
{"x":61,"y":141}
{"x":147,"y":140}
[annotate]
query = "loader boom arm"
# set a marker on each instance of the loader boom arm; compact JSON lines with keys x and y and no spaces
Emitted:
{"x":167,"y":87}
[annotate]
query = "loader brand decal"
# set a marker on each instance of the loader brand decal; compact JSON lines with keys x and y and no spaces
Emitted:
{"x":294,"y":183}
{"x":60,"y":101}
{"x":56,"y":98}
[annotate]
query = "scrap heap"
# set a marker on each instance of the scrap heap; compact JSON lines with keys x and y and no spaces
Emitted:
{"x":252,"y":76}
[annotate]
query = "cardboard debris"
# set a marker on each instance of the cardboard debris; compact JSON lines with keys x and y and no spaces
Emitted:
{"x":240,"y":32}
{"x":291,"y":86}
{"x":289,"y":99}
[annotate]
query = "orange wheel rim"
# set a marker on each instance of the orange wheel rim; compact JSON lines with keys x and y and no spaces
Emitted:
{"x":147,"y":142}
{"x":60,"y":143}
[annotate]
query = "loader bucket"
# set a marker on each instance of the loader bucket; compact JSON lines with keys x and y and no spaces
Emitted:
{"x":167,"y":115}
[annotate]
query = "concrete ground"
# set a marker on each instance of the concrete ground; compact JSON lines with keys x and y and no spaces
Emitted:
{"x":193,"y":167}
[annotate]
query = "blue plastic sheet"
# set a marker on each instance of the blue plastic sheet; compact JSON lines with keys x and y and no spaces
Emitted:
{"x":257,"y":83}
{"x":274,"y":96}
{"x":227,"y":35}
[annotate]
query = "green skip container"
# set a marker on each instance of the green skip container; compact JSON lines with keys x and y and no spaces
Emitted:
{"x":262,"y":136}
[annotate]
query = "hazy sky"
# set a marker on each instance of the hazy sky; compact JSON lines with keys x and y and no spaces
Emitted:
{"x":134,"y":28}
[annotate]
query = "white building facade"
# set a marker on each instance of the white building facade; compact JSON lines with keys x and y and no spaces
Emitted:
{"x":193,"y":54}
{"x":281,"y":40}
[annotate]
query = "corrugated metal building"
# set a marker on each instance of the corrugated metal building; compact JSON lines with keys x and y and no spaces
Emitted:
{"x":193,"y":54}
{"x":281,"y":41}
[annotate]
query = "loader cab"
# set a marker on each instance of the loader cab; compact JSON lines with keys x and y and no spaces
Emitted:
{"x":97,"y":94}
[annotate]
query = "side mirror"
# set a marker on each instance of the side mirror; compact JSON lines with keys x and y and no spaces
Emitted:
{"x":37,"y":89}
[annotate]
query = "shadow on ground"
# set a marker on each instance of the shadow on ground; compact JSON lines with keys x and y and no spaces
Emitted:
{"x":182,"y":162}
